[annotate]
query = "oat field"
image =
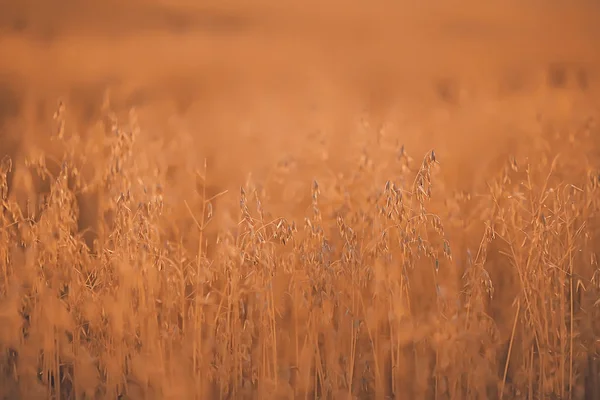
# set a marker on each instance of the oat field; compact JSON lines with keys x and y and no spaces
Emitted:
{"x":265,"y":202}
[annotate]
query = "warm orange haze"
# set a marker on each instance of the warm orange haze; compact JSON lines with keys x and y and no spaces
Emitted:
{"x":292,"y":200}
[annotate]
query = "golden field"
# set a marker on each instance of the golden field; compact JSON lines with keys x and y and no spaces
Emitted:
{"x":268,"y":202}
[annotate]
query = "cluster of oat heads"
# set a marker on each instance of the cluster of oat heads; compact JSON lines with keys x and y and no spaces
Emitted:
{"x":371,"y":293}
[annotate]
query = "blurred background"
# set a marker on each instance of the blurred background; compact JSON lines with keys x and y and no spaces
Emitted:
{"x":272,"y":78}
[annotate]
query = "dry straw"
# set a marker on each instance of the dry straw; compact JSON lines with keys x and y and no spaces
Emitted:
{"x":389,"y":286}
